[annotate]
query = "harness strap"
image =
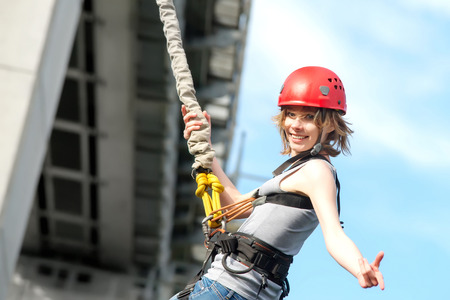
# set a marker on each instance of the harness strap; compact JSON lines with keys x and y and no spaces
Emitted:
{"x":295,"y":161}
{"x":259,"y":256}
{"x":300,"y":159}
{"x":287,"y":199}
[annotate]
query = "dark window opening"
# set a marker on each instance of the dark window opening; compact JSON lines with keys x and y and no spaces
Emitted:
{"x":88,"y":6}
{"x":89,"y":40}
{"x":65,"y":149}
{"x":84,"y":277}
{"x":93,"y":190}
{"x":69,"y":231}
{"x":45,"y":270}
{"x":63,"y":274}
{"x":68,"y":196}
{"x":73,"y":62}
{"x":92,"y":155}
{"x":43,"y":226}
{"x":69,"y":108}
{"x":41,"y":194}
{"x":94,"y":236}
{"x":91,"y":109}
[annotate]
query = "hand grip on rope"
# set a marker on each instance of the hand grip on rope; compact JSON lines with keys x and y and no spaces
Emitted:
{"x":205,"y":181}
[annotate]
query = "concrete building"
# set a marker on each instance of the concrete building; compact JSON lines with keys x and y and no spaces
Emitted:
{"x":96,"y":195}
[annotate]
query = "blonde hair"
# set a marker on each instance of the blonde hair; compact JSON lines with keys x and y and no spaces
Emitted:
{"x":336,"y":142}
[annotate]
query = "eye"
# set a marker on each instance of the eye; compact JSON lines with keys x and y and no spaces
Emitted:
{"x":290,"y":114}
{"x":309,"y":117}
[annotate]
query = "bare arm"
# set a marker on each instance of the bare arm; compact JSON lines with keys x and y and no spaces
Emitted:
{"x":316,"y":180}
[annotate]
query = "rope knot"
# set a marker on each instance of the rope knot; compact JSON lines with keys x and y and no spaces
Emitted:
{"x":214,"y":183}
{"x":205,"y":181}
{"x":202,"y":184}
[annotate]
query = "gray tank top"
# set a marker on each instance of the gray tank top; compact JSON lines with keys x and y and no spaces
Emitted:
{"x":285,"y":228}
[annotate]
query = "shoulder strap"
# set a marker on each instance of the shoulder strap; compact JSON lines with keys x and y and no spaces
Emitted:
{"x":287,"y":163}
{"x":297,"y":160}
{"x":288,"y":199}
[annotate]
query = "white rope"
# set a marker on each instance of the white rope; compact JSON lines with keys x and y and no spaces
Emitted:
{"x":198,"y":142}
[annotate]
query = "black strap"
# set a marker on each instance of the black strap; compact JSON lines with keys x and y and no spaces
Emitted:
{"x":338,"y":200}
{"x":302,"y":158}
{"x":290,"y":199}
{"x":295,"y":161}
{"x":259,"y":256}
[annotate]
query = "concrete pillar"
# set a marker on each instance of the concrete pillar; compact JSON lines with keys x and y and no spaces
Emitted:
{"x":115,"y":66}
{"x":36,"y":38}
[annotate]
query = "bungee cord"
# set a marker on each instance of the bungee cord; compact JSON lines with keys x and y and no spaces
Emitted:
{"x":198,"y":143}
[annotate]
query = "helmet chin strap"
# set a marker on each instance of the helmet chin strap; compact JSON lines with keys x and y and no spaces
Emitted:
{"x":318,"y":146}
{"x":316,"y":149}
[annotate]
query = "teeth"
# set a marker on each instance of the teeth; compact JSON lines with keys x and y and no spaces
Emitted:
{"x":298,"y":137}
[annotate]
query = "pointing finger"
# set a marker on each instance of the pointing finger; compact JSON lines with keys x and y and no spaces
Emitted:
{"x":378,"y":259}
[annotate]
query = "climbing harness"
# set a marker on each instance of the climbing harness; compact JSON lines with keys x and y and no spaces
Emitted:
{"x":251,"y":252}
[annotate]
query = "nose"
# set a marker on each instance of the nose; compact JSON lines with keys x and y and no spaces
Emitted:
{"x":297,"y":123}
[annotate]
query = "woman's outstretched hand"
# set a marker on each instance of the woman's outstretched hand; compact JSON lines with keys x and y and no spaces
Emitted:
{"x":369,"y":274}
{"x":191,"y":125}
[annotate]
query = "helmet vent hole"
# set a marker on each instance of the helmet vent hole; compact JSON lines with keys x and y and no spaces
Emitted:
{"x":335,"y":79}
{"x":335,"y":87}
{"x":330,"y":80}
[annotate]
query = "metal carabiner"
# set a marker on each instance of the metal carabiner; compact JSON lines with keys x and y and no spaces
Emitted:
{"x":205,"y":228}
{"x":224,"y":223}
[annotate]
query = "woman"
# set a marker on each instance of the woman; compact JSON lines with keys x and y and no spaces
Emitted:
{"x":312,"y":129}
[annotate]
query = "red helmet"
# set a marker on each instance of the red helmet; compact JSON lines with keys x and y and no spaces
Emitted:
{"x":313,"y":86}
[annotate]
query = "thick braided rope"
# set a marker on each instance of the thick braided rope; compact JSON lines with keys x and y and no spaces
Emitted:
{"x":198,"y":142}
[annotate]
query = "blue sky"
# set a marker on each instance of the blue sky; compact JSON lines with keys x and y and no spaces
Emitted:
{"x":394,"y":60}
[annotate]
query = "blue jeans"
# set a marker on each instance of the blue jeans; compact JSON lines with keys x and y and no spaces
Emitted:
{"x":206,"y":289}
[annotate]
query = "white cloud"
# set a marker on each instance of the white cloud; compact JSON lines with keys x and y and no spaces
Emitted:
{"x":435,"y":6}
{"x":286,"y":38}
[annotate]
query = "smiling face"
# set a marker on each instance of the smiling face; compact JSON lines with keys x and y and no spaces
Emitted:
{"x":300,"y":129}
